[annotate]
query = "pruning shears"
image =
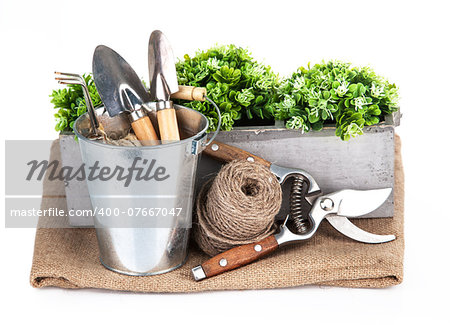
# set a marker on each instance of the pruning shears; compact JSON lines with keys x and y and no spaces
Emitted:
{"x":334,"y":207}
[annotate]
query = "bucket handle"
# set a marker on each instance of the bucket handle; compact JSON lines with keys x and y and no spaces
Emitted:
{"x":219,"y":123}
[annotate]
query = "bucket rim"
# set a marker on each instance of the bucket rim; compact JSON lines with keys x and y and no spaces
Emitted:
{"x":195,"y":137}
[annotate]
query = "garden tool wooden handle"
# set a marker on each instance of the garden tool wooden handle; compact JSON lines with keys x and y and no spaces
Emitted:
{"x":226,"y":153}
{"x":190,"y":93}
{"x":167,"y":119}
{"x":234,"y":258}
{"x":145,"y":132}
{"x":168,"y":126}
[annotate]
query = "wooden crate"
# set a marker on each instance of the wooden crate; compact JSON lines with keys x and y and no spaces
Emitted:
{"x":365,"y":162}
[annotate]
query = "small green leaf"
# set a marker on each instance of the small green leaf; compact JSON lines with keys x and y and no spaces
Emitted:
{"x":317,"y":126}
{"x":352,"y":88}
{"x":361,"y":89}
{"x":313,"y":118}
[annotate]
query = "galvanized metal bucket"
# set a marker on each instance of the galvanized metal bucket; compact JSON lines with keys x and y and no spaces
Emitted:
{"x":142,"y":222}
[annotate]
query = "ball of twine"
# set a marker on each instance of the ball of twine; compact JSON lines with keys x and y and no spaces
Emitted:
{"x":237,"y":207}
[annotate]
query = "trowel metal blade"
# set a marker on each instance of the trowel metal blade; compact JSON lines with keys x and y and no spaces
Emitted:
{"x":161,"y":67}
{"x":117,"y":83}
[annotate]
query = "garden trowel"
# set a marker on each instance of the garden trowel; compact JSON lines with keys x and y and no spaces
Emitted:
{"x":163,"y":83}
{"x":122,"y":91}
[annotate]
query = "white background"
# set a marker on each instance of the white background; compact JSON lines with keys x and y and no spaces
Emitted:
{"x":406,"y":41}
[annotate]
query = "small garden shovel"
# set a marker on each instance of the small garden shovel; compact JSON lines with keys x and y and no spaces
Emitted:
{"x":163,"y":83}
{"x":121,"y":91}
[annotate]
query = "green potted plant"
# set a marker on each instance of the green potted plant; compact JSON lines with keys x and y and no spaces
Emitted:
{"x":248,"y":93}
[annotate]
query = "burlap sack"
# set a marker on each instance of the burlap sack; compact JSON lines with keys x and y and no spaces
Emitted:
{"x":68,"y":258}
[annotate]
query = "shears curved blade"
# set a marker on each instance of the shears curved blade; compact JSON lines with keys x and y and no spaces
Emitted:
{"x":354,"y":203}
